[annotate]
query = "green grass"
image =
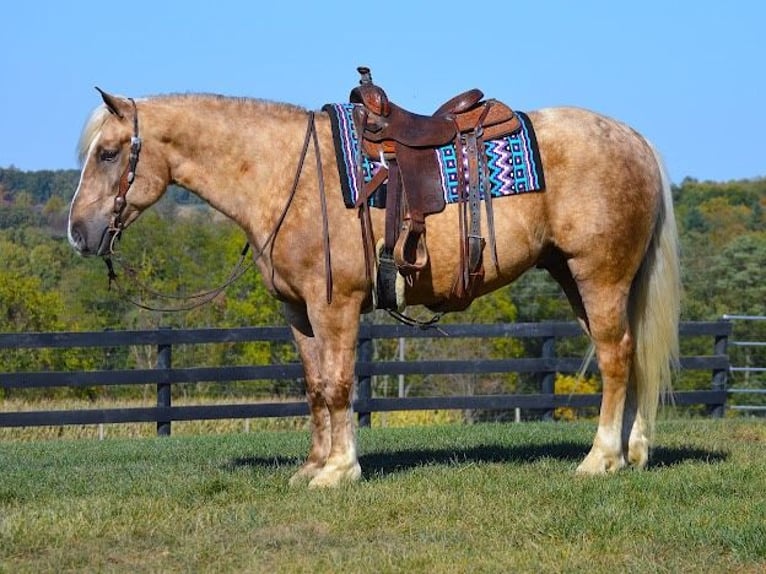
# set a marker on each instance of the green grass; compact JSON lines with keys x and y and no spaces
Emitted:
{"x":483,"y":498}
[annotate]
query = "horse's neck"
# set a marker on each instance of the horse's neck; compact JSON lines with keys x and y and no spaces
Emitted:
{"x":231,"y":154}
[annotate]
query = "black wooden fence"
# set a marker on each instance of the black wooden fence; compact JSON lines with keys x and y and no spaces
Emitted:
{"x":165,"y":374}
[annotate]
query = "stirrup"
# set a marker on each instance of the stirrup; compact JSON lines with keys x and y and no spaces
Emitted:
{"x":389,"y":283}
{"x":410,"y":250}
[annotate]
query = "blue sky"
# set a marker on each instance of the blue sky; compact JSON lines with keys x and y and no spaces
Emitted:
{"x":688,"y":75}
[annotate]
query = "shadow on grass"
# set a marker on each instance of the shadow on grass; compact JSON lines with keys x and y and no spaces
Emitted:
{"x":273,"y":462}
{"x":382,"y":464}
{"x":665,"y":456}
{"x":386,"y":463}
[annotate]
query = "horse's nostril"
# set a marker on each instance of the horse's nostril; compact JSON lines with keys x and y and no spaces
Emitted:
{"x":77,"y":237}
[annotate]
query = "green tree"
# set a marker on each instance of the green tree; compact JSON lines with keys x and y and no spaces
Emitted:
{"x":739,"y":276}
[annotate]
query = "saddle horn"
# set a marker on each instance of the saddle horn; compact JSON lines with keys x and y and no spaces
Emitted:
{"x":366,"y":78}
{"x":369,"y":95}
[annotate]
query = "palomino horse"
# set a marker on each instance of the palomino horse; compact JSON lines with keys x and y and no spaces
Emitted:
{"x":603,"y":227}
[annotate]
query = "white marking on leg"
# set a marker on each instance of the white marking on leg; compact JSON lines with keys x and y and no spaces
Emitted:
{"x":343,"y":464}
{"x":638,"y":443}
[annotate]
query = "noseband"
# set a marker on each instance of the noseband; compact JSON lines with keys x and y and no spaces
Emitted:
{"x":126,"y":180}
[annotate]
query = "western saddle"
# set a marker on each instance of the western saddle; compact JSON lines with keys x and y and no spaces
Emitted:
{"x":406,"y":143}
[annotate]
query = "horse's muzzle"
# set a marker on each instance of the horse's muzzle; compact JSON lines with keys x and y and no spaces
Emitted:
{"x":80,"y":239}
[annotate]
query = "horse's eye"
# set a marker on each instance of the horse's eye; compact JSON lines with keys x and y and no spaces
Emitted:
{"x":108,"y":154}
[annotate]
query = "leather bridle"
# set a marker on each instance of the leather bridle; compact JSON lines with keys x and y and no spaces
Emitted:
{"x":116,"y":225}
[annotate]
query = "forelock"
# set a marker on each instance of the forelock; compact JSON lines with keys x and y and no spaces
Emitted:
{"x":90,"y":131}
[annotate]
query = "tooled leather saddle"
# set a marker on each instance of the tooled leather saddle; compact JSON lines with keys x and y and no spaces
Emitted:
{"x":405,"y":143}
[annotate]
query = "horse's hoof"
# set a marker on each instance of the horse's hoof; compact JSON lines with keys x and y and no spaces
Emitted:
{"x":305,"y":474}
{"x":332,"y":476}
{"x":600,"y":463}
{"x":638,"y":453}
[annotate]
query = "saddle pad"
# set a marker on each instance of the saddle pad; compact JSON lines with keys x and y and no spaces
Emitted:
{"x":513,"y":161}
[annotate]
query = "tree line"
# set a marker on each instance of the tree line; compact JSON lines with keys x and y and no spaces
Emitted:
{"x":182,"y":247}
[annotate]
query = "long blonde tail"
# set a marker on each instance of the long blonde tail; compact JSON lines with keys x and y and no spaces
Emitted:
{"x":654,"y":311}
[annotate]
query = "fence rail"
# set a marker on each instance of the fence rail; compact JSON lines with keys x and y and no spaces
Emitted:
{"x":165,"y":375}
{"x":744,"y":373}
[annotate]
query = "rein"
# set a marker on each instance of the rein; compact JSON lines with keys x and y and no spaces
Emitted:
{"x":198,"y":299}
{"x":116,"y":227}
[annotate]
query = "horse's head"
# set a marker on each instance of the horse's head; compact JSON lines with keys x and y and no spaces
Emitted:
{"x":119,"y":179}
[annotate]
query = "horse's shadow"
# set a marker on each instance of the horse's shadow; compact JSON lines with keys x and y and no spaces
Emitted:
{"x":381,"y":464}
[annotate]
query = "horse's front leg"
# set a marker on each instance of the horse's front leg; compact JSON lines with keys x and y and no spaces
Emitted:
{"x":327,"y":345}
{"x":337,"y":330}
{"x":319,"y":415}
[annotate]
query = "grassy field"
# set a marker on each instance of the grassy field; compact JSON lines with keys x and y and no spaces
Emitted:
{"x":452,"y":498}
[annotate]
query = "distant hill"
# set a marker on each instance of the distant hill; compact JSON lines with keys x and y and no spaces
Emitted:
{"x":39,"y":186}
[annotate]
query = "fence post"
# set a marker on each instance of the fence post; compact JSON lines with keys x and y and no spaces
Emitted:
{"x":549,"y":377}
{"x":720,"y":376}
{"x":364,"y":354}
{"x":164,"y":362}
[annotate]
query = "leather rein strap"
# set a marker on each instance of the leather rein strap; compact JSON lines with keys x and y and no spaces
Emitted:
{"x":311,"y":134}
{"x":117,"y":225}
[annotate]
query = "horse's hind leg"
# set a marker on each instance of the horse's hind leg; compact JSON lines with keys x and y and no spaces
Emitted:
{"x":606,"y":308}
{"x":602,"y":312}
{"x":635,"y":432}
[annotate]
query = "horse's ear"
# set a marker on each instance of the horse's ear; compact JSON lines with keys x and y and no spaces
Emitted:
{"x":113,"y":103}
